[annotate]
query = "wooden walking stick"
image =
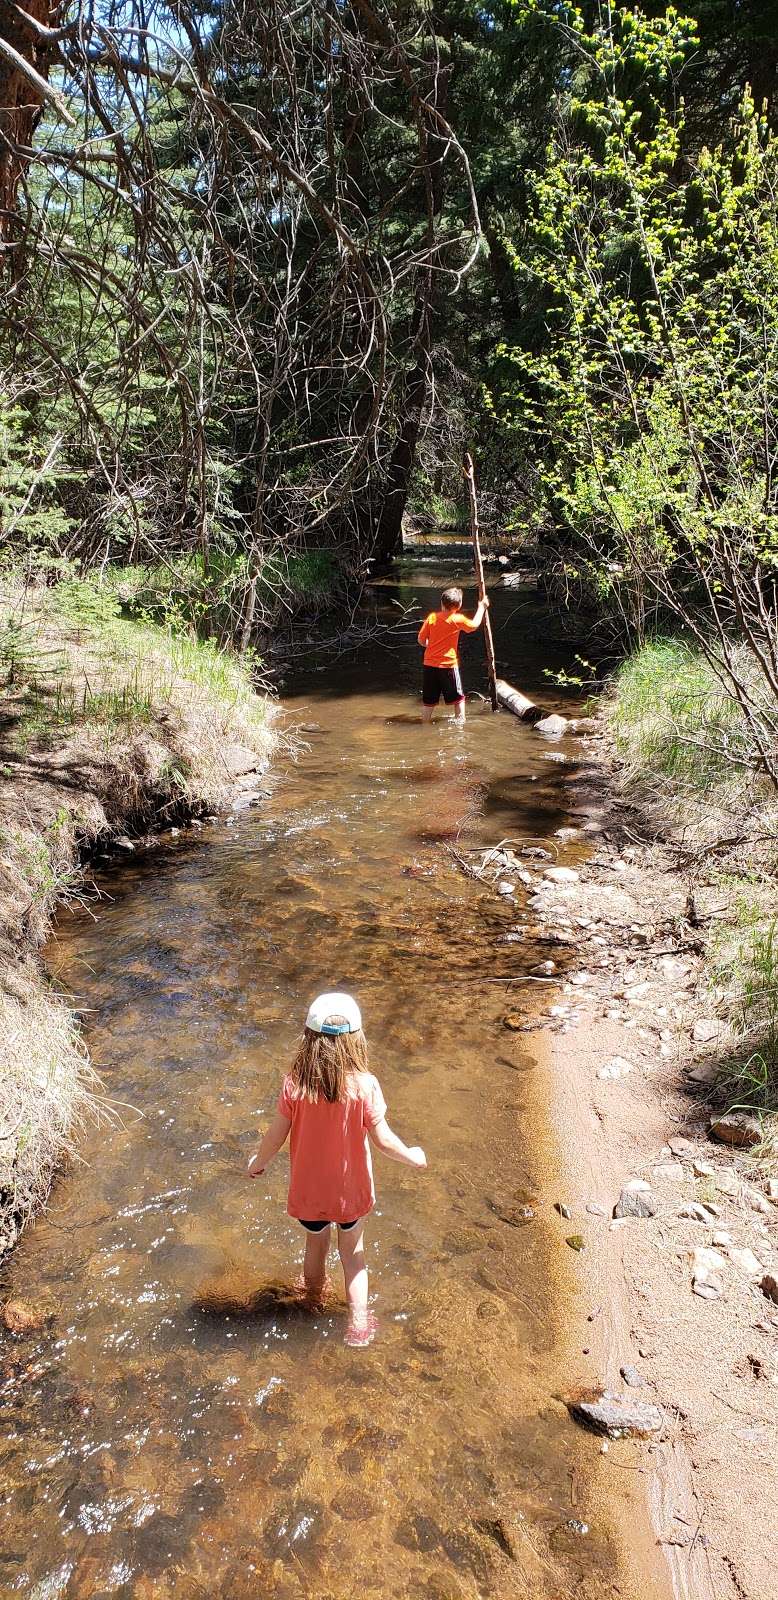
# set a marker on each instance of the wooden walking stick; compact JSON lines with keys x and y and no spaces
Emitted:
{"x":479,"y":572}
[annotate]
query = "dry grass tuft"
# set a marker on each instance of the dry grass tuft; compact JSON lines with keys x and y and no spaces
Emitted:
{"x":47,"y":1091}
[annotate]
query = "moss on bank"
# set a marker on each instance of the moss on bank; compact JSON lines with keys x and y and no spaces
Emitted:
{"x":106,"y":727}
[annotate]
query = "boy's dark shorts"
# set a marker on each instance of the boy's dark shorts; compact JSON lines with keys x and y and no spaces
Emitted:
{"x":437,"y":681}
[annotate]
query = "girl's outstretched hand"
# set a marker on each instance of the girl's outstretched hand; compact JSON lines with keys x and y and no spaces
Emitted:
{"x":416,"y":1156}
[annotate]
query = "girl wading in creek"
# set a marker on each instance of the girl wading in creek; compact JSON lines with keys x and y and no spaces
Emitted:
{"x":334,"y":1110}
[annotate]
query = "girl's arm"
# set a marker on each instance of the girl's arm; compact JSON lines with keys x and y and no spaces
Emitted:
{"x":382,"y":1137}
{"x":275,"y":1137}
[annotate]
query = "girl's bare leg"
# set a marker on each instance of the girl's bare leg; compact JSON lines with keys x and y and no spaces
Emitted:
{"x":351,"y":1246}
{"x":316,"y":1249}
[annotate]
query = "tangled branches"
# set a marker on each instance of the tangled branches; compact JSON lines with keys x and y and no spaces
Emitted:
{"x":225,"y":240}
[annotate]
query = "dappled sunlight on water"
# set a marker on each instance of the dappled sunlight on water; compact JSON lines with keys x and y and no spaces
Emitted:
{"x":187,"y":1426}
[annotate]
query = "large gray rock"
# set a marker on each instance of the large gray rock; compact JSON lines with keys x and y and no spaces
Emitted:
{"x":740,"y":1128}
{"x":239,"y":759}
{"x":619,"y":1416}
{"x":553,"y":726}
{"x":561,"y":874}
{"x":636,"y":1201}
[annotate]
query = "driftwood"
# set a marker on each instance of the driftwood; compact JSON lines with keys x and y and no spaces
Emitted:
{"x":513,"y":700}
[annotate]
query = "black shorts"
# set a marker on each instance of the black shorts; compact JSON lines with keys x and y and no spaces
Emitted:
{"x":437,"y":681}
{"x":318,"y":1227}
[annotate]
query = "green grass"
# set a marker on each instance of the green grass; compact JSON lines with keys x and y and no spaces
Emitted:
{"x":71,"y":660}
{"x":752,"y":1077}
{"x":671,"y":716}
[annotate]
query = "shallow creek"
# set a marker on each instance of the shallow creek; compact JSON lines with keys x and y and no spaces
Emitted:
{"x":150,"y":1449}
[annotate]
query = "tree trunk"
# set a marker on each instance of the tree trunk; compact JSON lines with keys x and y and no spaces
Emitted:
{"x":388,"y":539}
{"x":20,"y":103}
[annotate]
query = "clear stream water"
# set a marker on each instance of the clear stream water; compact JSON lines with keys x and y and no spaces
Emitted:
{"x":152,"y":1449}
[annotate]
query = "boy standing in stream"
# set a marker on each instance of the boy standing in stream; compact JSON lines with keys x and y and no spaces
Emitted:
{"x":439,"y":633}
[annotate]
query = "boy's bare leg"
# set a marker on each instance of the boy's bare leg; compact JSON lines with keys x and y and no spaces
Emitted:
{"x":426,"y":713}
{"x":351,"y":1245}
{"x":314,"y":1266}
{"x":459,"y":710}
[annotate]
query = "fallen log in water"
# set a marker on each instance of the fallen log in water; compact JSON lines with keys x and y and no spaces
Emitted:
{"x":513,"y":700}
{"x":548,"y":722}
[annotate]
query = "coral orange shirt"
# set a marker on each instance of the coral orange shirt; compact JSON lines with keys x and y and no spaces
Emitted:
{"x":332,"y":1173}
{"x":440,"y":633}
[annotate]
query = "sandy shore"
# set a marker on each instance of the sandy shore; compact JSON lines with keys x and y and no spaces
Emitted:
{"x":618,"y":1022}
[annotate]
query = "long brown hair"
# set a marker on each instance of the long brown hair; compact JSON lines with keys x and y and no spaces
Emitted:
{"x":325,"y":1062}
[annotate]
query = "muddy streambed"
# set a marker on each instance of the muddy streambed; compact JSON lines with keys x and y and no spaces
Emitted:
{"x":149,"y":1449}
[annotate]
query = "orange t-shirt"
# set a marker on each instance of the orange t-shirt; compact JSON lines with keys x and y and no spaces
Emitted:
{"x":440,"y":632}
{"x":332,"y":1174}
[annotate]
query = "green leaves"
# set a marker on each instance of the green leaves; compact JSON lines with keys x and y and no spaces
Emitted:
{"x":658,"y":379}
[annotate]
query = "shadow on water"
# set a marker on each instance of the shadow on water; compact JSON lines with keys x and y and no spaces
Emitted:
{"x":186,"y":1426}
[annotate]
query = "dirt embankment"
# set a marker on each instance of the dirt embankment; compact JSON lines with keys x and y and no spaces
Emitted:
{"x":107,"y":735}
{"x":678,"y":1295}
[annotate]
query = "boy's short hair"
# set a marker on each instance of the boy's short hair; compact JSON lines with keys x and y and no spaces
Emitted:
{"x":451,"y":598}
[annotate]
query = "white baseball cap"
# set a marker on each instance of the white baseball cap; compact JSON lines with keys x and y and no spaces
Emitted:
{"x":334,"y":1005}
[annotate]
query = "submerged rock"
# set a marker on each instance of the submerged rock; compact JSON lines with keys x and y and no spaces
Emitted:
{"x":617,"y":1416}
{"x":499,"y":1529}
{"x":419,"y":1533}
{"x":739,"y":1128}
{"x":465,"y":1551}
{"x":27,"y":1316}
{"x":514,"y":1215}
{"x":294,"y":1530}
